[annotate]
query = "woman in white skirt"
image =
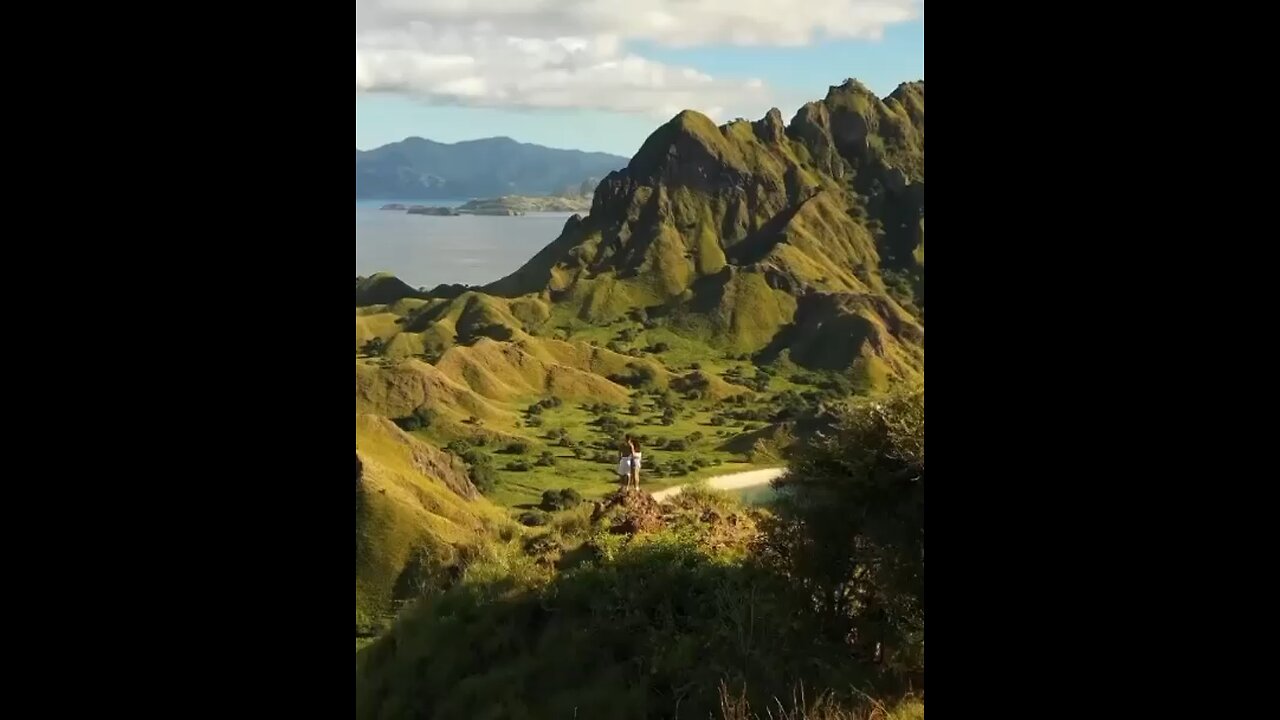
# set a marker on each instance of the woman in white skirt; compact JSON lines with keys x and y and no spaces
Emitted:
{"x":634,"y":475}
{"x":624,"y":470}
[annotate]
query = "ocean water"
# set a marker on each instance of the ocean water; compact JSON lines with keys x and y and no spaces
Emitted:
{"x":425,"y":251}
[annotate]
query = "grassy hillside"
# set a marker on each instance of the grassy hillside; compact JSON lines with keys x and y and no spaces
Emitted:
{"x":731,"y":291}
{"x":416,"y":513}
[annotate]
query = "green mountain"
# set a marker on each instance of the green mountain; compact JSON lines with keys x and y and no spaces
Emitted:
{"x":415,"y":168}
{"x":758,"y":236}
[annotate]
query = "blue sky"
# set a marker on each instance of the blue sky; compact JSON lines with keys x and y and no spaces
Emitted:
{"x":597,"y":90}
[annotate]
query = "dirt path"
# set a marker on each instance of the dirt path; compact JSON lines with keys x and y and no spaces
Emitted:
{"x":732,"y":481}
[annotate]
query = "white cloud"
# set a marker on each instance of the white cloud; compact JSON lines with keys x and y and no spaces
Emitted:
{"x":571,"y":53}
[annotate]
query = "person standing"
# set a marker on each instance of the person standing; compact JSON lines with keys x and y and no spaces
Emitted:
{"x":634,"y":446}
{"x":624,"y":465}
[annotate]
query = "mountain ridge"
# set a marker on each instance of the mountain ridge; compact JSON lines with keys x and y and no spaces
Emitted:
{"x":417,"y":168}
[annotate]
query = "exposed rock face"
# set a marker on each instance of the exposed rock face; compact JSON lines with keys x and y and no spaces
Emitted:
{"x":433,"y":462}
{"x":770,"y":128}
{"x":629,"y":512}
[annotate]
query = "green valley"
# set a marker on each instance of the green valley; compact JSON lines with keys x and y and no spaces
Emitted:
{"x":738,"y":297}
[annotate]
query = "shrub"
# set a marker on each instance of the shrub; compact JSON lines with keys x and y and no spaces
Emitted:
{"x":419,"y":419}
{"x":565,"y":499}
{"x":534,"y":518}
{"x":484,"y":477}
{"x":516,"y":448}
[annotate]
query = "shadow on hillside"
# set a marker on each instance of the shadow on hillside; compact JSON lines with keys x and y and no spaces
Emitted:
{"x":821,"y":338}
{"x":754,"y":247}
{"x":651,"y":635}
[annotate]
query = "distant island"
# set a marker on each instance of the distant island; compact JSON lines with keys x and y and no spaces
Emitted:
{"x":507,"y":205}
{"x":418,"y":169}
{"x":425,"y":210}
{"x":521,"y":204}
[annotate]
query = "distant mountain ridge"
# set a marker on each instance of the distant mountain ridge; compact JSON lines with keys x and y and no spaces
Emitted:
{"x":420,"y":169}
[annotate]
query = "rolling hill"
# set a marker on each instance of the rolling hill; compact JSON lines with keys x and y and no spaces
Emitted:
{"x":417,"y":512}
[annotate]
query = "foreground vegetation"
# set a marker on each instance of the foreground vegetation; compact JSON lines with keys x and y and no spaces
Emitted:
{"x":706,"y":608}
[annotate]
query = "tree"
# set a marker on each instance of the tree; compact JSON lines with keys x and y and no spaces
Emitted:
{"x":849,"y":528}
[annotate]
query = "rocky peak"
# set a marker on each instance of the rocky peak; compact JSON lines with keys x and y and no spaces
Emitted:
{"x":770,"y":128}
{"x":688,"y":151}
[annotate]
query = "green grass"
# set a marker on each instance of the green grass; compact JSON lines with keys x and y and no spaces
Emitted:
{"x":596,"y":479}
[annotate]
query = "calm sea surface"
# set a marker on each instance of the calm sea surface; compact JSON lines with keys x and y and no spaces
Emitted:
{"x":425,"y":251}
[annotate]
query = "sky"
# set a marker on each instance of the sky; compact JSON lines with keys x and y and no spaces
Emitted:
{"x":603,"y":74}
